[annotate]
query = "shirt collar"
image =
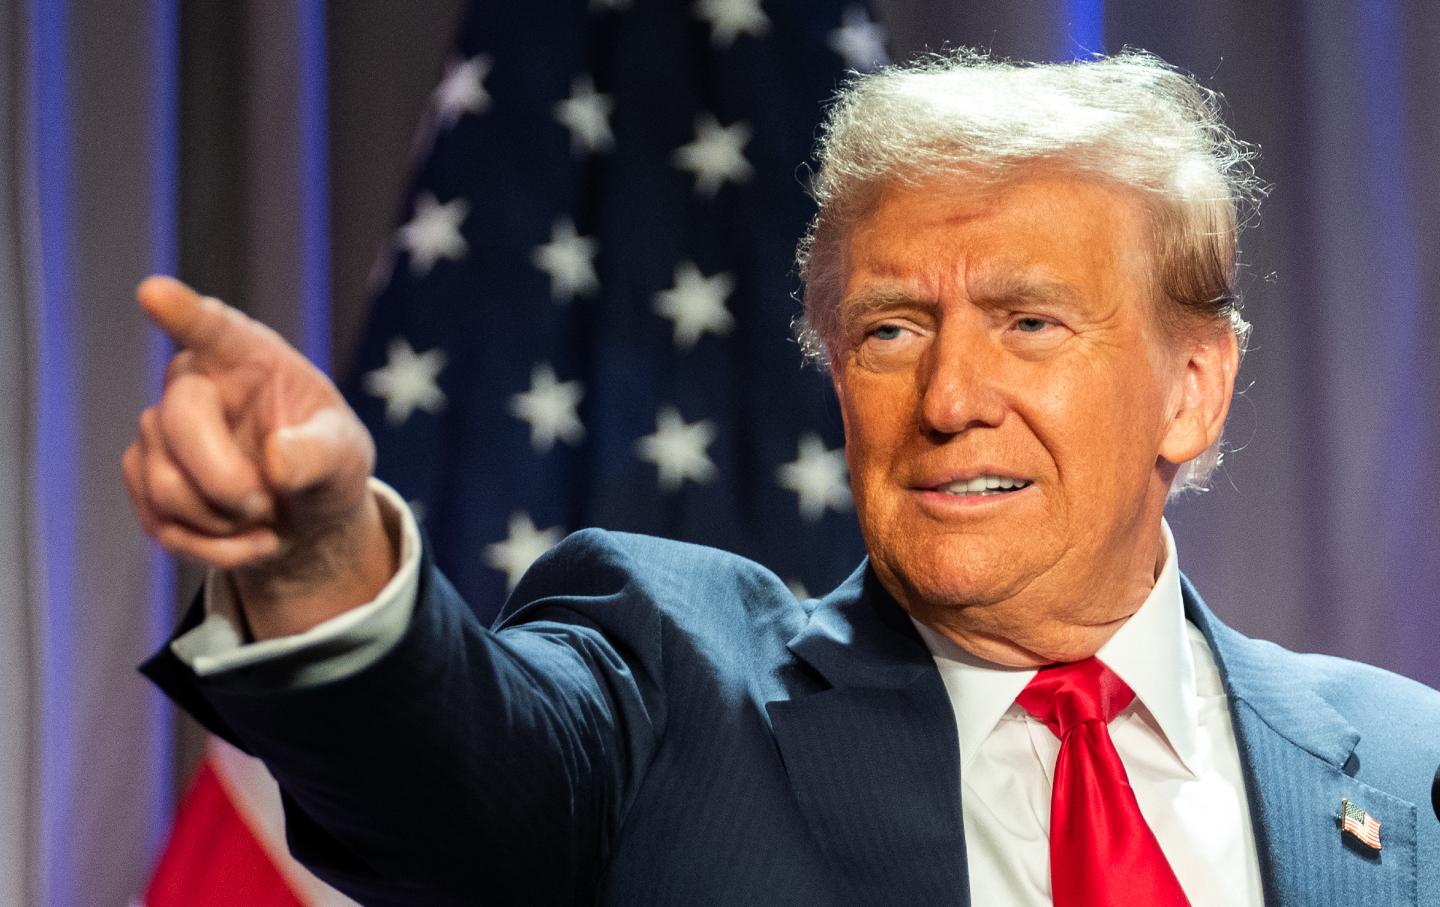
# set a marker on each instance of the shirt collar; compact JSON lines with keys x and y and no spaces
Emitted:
{"x":1150,"y":652}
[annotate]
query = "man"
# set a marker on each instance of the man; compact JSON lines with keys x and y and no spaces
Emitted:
{"x":1022,"y":282}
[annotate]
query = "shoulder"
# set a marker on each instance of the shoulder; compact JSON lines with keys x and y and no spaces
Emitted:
{"x":680,"y":616}
{"x":1366,"y":694}
{"x":599,"y":560}
{"x":1319,"y":700}
{"x":674,"y":580}
{"x":1358,"y":690}
{"x":1397,"y":719}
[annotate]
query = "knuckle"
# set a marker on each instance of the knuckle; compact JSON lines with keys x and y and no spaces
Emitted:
{"x":130,"y":461}
{"x":175,"y":409}
{"x":180,"y":364}
{"x":167,"y":491}
{"x":143,"y":515}
{"x":170,"y":424}
{"x":148,"y":523}
{"x":170,"y":537}
{"x":149,"y":422}
{"x":131,"y":472}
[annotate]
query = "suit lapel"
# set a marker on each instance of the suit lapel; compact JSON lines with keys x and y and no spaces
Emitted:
{"x":873,"y":760}
{"x":874,"y":764}
{"x":1298,"y":755}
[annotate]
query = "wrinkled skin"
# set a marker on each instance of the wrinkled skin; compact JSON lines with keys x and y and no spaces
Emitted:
{"x":1014,"y":332}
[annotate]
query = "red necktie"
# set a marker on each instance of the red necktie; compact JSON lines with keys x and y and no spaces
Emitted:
{"x":1101,"y":850}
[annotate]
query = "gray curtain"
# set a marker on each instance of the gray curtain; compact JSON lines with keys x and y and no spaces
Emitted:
{"x":88,"y":164}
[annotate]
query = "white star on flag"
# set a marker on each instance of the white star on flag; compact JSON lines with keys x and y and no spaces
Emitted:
{"x":525,"y":543}
{"x":859,"y":41}
{"x":407,"y":381}
{"x":550,"y":408}
{"x":569,"y":259}
{"x":730,"y":18}
{"x":716,"y":154}
{"x":462,"y":90}
{"x":817,"y":475}
{"x":586,"y":113}
{"x":696,"y":304}
{"x":678,"y":449}
{"x":433,"y":233}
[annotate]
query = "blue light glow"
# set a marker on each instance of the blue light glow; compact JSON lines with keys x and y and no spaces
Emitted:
{"x":315,"y":182}
{"x":1086,"y":25}
{"x":54,"y":504}
{"x":1399,"y":297}
{"x":164,"y":246}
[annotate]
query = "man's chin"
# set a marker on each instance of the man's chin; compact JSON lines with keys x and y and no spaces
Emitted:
{"x":953,"y":570}
{"x":929,"y":592}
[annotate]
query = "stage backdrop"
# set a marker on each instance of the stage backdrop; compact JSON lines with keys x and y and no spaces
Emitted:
{"x":262,"y":148}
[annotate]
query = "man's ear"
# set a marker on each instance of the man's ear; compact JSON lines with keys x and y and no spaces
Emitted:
{"x":1203,"y":398}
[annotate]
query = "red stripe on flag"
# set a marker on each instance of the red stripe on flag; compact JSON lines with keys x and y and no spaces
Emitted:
{"x":213,"y":858}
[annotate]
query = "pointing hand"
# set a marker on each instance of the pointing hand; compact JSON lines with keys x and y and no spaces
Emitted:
{"x":252,"y":462}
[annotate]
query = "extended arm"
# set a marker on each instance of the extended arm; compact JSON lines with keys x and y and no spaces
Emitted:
{"x":466,"y":760}
{"x":459,"y":761}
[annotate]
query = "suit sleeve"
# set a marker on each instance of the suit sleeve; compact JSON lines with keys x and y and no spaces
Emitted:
{"x":466,"y":762}
{"x":339,"y":646}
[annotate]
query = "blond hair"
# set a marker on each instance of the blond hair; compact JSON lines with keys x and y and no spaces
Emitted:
{"x":1130,"y":120}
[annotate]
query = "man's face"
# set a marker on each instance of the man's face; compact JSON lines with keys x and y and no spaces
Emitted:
{"x":1009,"y":336}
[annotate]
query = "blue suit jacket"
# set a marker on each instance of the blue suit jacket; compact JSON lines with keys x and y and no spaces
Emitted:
{"x":657,"y":723}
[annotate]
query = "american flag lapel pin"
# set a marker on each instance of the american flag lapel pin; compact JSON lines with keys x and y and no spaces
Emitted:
{"x":1357,"y":822}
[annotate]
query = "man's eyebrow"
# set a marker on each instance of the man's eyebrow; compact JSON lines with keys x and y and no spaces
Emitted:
{"x":873,"y":299}
{"x":1001,"y":289}
{"x":1022,"y":289}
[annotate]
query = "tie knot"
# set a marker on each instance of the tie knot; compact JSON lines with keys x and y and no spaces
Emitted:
{"x":1065,"y":695}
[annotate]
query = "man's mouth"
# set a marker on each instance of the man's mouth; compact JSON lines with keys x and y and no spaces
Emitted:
{"x":984,"y":485}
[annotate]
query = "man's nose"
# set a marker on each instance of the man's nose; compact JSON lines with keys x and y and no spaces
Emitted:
{"x":961,"y":382}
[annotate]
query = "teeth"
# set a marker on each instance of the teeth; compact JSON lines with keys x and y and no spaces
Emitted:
{"x":986,"y":485}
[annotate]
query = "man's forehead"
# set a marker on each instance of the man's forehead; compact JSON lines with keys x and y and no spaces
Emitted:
{"x":1038,"y":239}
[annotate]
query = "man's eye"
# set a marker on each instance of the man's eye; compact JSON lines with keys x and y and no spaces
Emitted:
{"x":1031,"y":325}
{"x":886,"y":332}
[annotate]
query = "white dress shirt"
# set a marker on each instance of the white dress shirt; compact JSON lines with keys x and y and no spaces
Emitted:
{"x":1175,"y":739}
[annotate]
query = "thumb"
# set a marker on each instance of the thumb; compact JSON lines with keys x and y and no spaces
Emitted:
{"x":331,"y":450}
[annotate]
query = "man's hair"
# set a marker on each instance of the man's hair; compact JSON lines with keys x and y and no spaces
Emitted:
{"x":1130,"y":120}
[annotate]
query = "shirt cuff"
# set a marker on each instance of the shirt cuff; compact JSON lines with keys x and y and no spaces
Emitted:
{"x":341,"y":646}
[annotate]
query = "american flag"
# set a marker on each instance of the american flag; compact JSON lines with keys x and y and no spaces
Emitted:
{"x":584,"y":316}
{"x":1359,"y":823}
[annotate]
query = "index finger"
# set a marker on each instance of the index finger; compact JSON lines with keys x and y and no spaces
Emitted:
{"x":200,"y":323}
